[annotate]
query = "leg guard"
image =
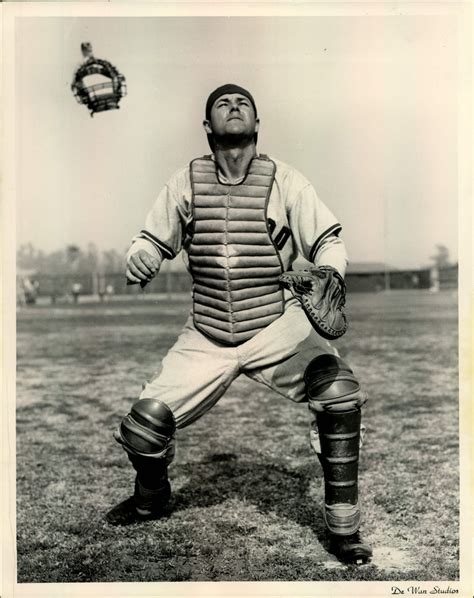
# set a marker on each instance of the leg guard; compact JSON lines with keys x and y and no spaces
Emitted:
{"x":147,"y":434}
{"x":148,"y":430}
{"x":335,"y":398}
{"x":340,"y":434}
{"x":331,"y":385}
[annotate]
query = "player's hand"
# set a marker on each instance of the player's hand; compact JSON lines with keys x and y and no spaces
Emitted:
{"x":142,"y":267}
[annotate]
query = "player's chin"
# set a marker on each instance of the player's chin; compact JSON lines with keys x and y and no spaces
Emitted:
{"x":236,"y":128}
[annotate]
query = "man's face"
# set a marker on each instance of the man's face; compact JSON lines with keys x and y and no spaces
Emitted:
{"x":232,"y":117}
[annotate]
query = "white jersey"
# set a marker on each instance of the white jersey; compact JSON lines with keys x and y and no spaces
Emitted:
{"x":300,"y":223}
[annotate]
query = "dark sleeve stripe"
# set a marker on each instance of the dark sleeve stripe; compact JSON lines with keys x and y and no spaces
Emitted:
{"x":165,"y":250}
{"x":335,"y":229}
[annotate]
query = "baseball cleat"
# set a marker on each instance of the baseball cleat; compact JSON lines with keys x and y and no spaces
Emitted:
{"x":144,"y":505}
{"x":127,"y":513}
{"x":351,"y":550}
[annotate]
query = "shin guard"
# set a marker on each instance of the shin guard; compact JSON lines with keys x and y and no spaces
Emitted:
{"x":147,"y":435}
{"x":339,"y":433}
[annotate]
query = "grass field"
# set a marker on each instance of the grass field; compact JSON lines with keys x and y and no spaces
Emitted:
{"x":247,"y":489}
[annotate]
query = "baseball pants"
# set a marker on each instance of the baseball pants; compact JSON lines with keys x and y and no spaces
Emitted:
{"x":197,"y":370}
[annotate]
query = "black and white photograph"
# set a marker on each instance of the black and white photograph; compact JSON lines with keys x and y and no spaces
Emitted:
{"x":236,"y":300}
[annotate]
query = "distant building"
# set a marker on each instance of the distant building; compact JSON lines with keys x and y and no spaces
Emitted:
{"x":369,"y":267}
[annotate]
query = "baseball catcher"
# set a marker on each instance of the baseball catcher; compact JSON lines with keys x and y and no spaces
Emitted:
{"x":241,"y":219}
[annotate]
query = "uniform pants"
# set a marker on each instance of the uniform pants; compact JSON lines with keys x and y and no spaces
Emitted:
{"x":197,"y":370}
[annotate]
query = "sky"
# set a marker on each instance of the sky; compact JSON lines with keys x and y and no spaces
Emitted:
{"x":364,"y":106}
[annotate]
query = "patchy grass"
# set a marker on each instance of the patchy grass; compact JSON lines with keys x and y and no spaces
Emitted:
{"x":247,"y":489}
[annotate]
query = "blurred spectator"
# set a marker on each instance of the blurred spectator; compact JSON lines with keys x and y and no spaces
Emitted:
{"x":109,"y":289}
{"x":30,"y":290}
{"x":76,"y":291}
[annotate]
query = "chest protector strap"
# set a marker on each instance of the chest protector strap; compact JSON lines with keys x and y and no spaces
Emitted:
{"x":233,"y":260}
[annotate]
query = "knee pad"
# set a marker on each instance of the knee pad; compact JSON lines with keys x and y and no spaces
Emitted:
{"x":331,"y":385}
{"x":148,"y":430}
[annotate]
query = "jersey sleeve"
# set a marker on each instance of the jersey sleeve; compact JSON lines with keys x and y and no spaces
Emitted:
{"x":332,"y":252}
{"x":166,"y":221}
{"x":316,"y":230}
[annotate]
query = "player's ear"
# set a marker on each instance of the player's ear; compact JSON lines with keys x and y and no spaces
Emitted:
{"x":257,"y":125}
{"x":207,"y":126}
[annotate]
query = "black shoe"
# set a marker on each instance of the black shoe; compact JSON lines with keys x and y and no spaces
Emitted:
{"x":125,"y":513}
{"x":144,"y":505}
{"x":351,"y":550}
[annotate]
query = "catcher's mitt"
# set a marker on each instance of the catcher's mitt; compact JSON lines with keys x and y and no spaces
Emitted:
{"x":322,"y":294}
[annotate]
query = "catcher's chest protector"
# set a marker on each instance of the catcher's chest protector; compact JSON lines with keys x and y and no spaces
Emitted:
{"x":233,"y":260}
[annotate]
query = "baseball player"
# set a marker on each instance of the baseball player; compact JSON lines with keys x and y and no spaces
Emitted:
{"x":242,"y":218}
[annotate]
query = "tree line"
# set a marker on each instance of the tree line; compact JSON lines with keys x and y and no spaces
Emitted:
{"x":71,"y":259}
